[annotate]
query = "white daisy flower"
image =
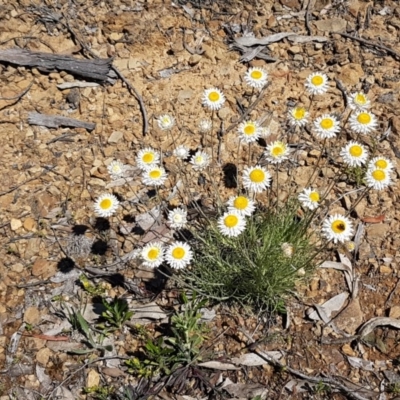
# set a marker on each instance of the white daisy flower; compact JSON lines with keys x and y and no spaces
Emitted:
{"x":358,"y":101}
{"x":116,"y":169}
{"x":326,"y":126}
{"x":309,"y":198}
{"x":354,"y":154}
{"x":298,"y":116}
{"x":146,"y":158}
{"x":249,"y":131}
{"x":178,"y":255}
{"x":317,"y":83}
{"x":231,"y":224}
{"x":213,"y":98}
{"x":378,"y":179}
{"x":337,"y":228}
{"x":205,"y":125}
{"x":154,"y":176}
{"x":380,"y":163}
{"x":276,"y":152}
{"x":177,"y":218}
{"x":256,"y":179}
{"x":106,"y":205}
{"x":200,"y":160}
{"x":363,"y":122}
{"x":152,"y":254}
{"x":165,"y":122}
{"x":181,"y":152}
{"x":256,"y":77}
{"x":241,"y":204}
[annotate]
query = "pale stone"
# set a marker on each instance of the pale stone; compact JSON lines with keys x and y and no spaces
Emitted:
{"x":393,"y":313}
{"x":18,"y":268}
{"x":44,"y":268}
{"x":32,"y":315}
{"x":93,"y":378}
{"x":115,"y":137}
{"x":377,"y":230}
{"x":331,"y":25}
{"x":29,"y":224}
{"x":351,"y":74}
{"x":15,"y":224}
{"x":350,"y":318}
{"x":43,"y":355}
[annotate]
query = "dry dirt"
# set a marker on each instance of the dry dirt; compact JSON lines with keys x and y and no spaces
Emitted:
{"x":51,"y":177}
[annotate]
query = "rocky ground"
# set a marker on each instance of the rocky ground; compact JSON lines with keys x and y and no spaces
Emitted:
{"x":169,"y":53}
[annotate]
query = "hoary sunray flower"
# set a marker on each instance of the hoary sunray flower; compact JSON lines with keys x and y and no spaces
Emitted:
{"x":378,"y":179}
{"x":153,"y":254}
{"x":309,"y":198}
{"x":200,"y":160}
{"x":380,"y":163}
{"x":276,"y":152}
{"x":241,"y":204}
{"x":326,"y":126}
{"x":116,"y":169}
{"x":363,"y":122}
{"x":106,"y":205}
{"x":358,"y":101}
{"x":249,"y":131}
{"x":298,"y":116}
{"x":165,"y":122}
{"x":354,"y":154}
{"x":337,"y":228}
{"x":177,"y":218}
{"x":256,"y":77}
{"x":265,"y":131}
{"x":181,"y":152}
{"x":317,"y":83}
{"x":154,"y":176}
{"x":232,"y":224}
{"x":178,"y":255}
{"x":146,"y":158}
{"x":256,"y":179}
{"x":213,"y":99}
{"x":205,"y":125}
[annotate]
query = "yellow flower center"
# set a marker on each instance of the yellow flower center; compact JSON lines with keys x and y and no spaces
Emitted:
{"x":356,"y":150}
{"x":178,"y":253}
{"x":327,"y":123}
{"x":278,"y":150}
{"x":199,"y":160}
{"x":241,"y":203}
{"x":317,"y":80}
{"x":364,"y":118}
{"x":148,"y":158}
{"x":166,"y":120}
{"x":256,"y":74}
{"x":153,"y":254}
{"x":231,"y":221}
{"x":105,"y":204}
{"x":257,"y":176}
{"x":360,"y":99}
{"x":314,"y":196}
{"x":249,"y":129}
{"x":299,"y":113}
{"x":338,"y":226}
{"x":116,"y":168}
{"x":378,"y":175}
{"x":381,"y":164}
{"x":213,"y":97}
{"x":155,"y":174}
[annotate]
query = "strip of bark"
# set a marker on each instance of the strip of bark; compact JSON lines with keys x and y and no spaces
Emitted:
{"x":55,"y":121}
{"x":98,"y":69}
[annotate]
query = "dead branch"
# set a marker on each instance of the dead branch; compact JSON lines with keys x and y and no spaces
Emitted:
{"x":55,"y":121}
{"x":93,"y":69}
{"x":378,"y":46}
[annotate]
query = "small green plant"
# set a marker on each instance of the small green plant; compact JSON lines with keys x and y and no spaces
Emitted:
{"x":394,"y":388}
{"x":258,"y":268}
{"x":166,"y":354}
{"x":94,"y":290}
{"x":116,"y":313}
{"x":99,"y":392}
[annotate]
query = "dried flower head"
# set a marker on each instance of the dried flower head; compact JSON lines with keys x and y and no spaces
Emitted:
{"x":116,"y":169}
{"x":205,"y":125}
{"x":200,"y":160}
{"x":287,"y":249}
{"x":181,"y":152}
{"x":177,"y":218}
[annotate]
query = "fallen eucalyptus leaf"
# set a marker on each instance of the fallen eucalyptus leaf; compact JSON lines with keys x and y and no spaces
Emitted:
{"x":218,"y":365}
{"x":370,"y":325}
{"x":360,"y":363}
{"x":332,"y":305}
{"x":253,"y":359}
